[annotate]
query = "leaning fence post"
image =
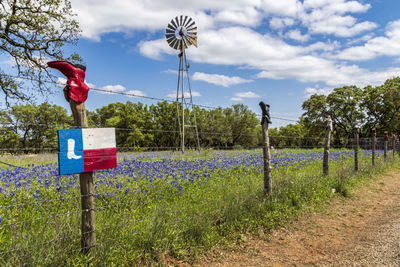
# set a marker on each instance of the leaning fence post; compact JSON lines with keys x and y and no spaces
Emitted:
{"x":327,"y":145}
{"x":265,"y":120}
{"x":385,"y":145}
{"x":356,"y":145}
{"x":76,"y":93}
{"x":373,"y":146}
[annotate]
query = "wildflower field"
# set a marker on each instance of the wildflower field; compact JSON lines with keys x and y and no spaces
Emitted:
{"x":156,"y":206}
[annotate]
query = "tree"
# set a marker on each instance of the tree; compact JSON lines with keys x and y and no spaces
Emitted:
{"x":243,"y":123}
{"x":343,"y":105}
{"x":30,"y":126}
{"x":382,"y":106}
{"x":30,"y":33}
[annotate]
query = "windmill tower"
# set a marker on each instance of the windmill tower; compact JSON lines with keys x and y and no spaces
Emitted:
{"x":180,"y":34}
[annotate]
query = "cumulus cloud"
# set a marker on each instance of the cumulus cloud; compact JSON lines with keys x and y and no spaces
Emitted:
{"x":170,"y":71}
{"x":239,"y":97}
{"x":113,"y":89}
{"x":187,"y":95}
{"x":388,"y":45}
{"x":218,"y":79}
{"x":319,"y":91}
{"x":298,"y":36}
{"x":227,"y":35}
{"x":133,"y":93}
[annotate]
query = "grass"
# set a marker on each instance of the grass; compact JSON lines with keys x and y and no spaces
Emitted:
{"x":148,"y":211}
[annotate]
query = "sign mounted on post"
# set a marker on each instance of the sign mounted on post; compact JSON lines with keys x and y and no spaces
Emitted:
{"x":85,"y":150}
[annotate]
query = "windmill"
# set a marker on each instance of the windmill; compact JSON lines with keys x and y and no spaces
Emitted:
{"x":180,"y":34}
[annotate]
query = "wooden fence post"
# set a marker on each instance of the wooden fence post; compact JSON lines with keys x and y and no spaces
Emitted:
{"x":88,"y":226}
{"x":265,"y":120}
{"x":385,"y":145}
{"x":373,"y":146}
{"x":327,"y":145}
{"x":356,"y":145}
{"x":393,"y":144}
{"x":398,"y":145}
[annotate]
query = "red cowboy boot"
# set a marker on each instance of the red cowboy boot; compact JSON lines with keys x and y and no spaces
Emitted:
{"x":78,"y":90}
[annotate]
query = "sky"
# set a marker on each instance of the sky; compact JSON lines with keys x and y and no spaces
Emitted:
{"x":279,"y":52}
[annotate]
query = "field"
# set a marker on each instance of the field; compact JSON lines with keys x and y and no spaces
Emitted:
{"x":158,"y":206}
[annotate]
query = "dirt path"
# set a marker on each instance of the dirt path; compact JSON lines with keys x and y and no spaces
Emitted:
{"x":363,"y":230}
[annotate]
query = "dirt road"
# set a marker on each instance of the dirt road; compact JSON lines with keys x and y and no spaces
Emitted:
{"x":363,"y":230}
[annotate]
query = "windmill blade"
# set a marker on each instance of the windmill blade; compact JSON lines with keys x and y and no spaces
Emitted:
{"x":184,"y":21}
{"x":170,"y":27}
{"x":171,"y":42}
{"x":177,"y":21}
{"x":185,"y":42}
{"x":169,"y":31}
{"x":191,"y":25}
{"x":175,"y":43}
{"x":174,"y":24}
{"x":170,"y":38}
{"x":180,"y":21}
{"x":190,"y":19}
{"x":191,"y":29}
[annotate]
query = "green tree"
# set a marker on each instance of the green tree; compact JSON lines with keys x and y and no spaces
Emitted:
{"x":382,"y":106}
{"x":343,"y":105}
{"x":35,"y":126}
{"x":133,"y":120}
{"x":243,"y":124}
{"x":31,"y":32}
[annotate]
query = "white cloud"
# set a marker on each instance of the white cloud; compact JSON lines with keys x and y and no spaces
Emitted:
{"x":319,"y":91}
{"x":248,"y":94}
{"x":218,"y":79}
{"x":280,"y":23}
{"x":170,"y":71}
{"x":241,"y":95}
{"x":227,"y":35}
{"x":187,"y":95}
{"x":112,"y":89}
{"x":134,"y":93}
{"x":277,"y":59}
{"x":298,"y":36}
{"x":388,"y":45}
{"x":331,"y":17}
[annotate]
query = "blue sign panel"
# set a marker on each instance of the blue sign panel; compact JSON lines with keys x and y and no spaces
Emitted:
{"x":70,"y":157}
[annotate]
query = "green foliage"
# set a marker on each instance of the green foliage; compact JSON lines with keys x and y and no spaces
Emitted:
{"x":372,"y":107}
{"x":32,"y":126}
{"x":31,"y":32}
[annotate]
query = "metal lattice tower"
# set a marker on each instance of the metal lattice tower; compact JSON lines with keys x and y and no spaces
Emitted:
{"x":180,"y":34}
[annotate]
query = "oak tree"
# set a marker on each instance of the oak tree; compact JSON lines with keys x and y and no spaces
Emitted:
{"x":31,"y":33}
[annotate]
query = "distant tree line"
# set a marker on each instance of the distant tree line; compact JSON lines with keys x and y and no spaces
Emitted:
{"x":149,"y":127}
{"x":138,"y":126}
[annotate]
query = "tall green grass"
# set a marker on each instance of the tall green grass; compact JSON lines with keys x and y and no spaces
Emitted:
{"x":139,"y":229}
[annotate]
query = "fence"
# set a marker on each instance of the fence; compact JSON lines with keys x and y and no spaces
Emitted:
{"x":67,"y":241}
{"x":55,"y":214}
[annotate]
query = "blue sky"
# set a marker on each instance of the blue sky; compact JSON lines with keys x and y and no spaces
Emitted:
{"x":248,"y":50}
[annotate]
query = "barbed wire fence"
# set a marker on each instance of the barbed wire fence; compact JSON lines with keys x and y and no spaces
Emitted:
{"x":61,"y":227}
